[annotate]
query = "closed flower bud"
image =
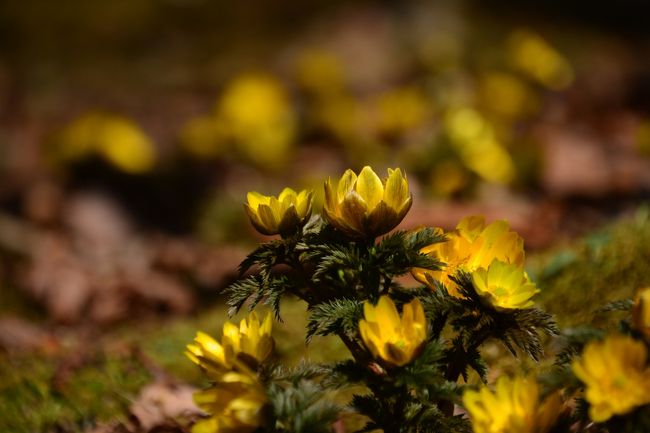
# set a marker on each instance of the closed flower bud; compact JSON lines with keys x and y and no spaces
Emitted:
{"x":284,"y":214}
{"x":364,"y":206}
{"x":395,"y":340}
{"x":641,"y":312}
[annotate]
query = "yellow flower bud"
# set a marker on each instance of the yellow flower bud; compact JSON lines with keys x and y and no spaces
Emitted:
{"x":364,"y":206}
{"x":284,"y":214}
{"x":504,"y":286}
{"x":513,"y":407}
{"x":641,"y":312}
{"x":390,"y":338}
{"x":251,"y":343}
{"x":615,"y":374}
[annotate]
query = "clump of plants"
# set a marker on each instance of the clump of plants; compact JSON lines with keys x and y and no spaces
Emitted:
{"x":415,"y":352}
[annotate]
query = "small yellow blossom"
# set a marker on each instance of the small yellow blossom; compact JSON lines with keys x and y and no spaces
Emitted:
{"x":251,"y":342}
{"x":284,"y":214}
{"x":391,"y":338}
{"x":475,"y":140}
{"x":504,"y":286}
{"x":364,"y":206}
{"x":641,"y":312}
{"x":257,"y":116}
{"x":401,"y":110}
{"x":616,"y":376}
{"x":513,"y":407}
{"x":472,"y":245}
{"x":531,"y":54}
{"x":116,"y":139}
{"x":235,"y":405}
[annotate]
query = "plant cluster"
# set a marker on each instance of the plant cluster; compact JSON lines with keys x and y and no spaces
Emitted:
{"x":415,"y":352}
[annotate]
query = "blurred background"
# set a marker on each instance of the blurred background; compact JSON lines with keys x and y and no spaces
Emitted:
{"x":130,"y":132}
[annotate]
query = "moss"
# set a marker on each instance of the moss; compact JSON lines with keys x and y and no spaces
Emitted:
{"x":34,"y":398}
{"x":606,"y":266}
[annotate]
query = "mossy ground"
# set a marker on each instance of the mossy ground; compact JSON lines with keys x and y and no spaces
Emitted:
{"x":49,"y":392}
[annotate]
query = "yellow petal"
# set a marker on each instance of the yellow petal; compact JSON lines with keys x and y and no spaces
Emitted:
{"x":369,"y":187}
{"x":397,"y":190}
{"x":255,"y":199}
{"x":345,"y":185}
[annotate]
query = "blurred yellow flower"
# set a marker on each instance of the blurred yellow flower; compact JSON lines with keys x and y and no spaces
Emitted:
{"x":504,"y":286}
{"x":513,"y":407}
{"x":320,"y":72}
{"x":258,"y":117}
{"x":235,"y":405}
{"x":401,"y":110}
{"x":284,"y":214}
{"x":531,"y":54}
{"x":507,"y":95}
{"x":204,"y":137}
{"x":641,"y":312}
{"x":615,"y":374}
{"x":391,"y":338}
{"x":116,"y":139}
{"x":364,"y":206}
{"x":474,"y":138}
{"x":251,"y":343}
{"x":472,"y":245}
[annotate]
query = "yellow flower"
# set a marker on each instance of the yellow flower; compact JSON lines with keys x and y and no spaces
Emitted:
{"x":284,"y":214}
{"x":513,"y":407}
{"x":472,"y":245}
{"x":251,"y":342}
{"x":641,"y":312}
{"x":504,"y":286}
{"x":615,"y":374}
{"x":391,"y":338}
{"x":235,"y":405}
{"x":364,"y":206}
{"x":258,"y":117}
{"x":531,"y":54}
{"x":116,"y":139}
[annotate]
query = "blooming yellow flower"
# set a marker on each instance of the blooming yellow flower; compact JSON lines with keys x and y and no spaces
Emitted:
{"x":251,"y":342}
{"x":364,"y":206}
{"x":504,"y":286}
{"x":235,"y":405}
{"x":641,"y":312}
{"x":284,"y":214}
{"x":513,"y":407}
{"x":391,"y":338}
{"x":472,"y":245}
{"x":615,"y":374}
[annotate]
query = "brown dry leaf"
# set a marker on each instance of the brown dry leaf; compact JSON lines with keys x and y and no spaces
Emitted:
{"x":18,"y":335}
{"x":163,"y":404}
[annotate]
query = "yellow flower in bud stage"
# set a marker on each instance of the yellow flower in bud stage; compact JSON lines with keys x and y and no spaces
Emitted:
{"x":504,"y":286}
{"x":513,"y":407}
{"x":363,"y":206}
{"x":235,"y":405}
{"x":472,"y":245}
{"x":393,"y":339}
{"x":641,"y":312}
{"x":615,"y":374}
{"x":284,"y":214}
{"x":250,"y":342}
